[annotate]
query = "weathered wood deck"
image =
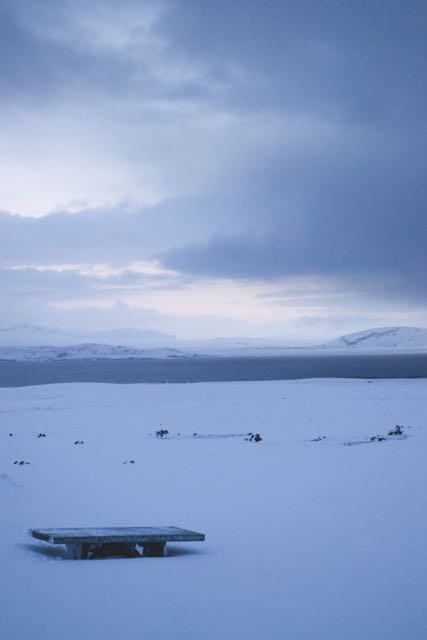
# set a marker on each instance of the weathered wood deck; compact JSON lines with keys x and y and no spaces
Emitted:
{"x":83,"y":542}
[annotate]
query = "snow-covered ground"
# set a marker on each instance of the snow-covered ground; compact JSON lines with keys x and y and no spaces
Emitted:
{"x":88,"y":351}
{"x":306,"y":539}
{"x":118,"y":352}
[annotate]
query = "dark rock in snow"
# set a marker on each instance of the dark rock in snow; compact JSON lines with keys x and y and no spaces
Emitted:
{"x":397,"y":431}
{"x":253,"y":437}
{"x":161,"y":433}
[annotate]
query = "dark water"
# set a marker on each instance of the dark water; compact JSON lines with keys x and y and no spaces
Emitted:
{"x":209,"y":369}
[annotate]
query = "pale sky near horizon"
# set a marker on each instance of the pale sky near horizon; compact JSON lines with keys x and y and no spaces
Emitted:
{"x":210,"y":168}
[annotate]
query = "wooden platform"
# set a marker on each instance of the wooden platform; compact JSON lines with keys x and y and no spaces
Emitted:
{"x":83,"y":543}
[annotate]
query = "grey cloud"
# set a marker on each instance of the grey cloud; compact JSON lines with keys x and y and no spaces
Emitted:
{"x":57,"y":50}
{"x":65,"y":283}
{"x":27,"y":68}
{"x":353,"y":61}
{"x":46,"y":283}
{"x":363,"y":264}
{"x":361,"y":61}
{"x":119,"y":234}
{"x":353,"y":212}
{"x":36,"y":71}
{"x":348,"y":201}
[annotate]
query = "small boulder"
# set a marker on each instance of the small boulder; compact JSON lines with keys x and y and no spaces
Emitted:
{"x":161,"y":433}
{"x":397,"y":431}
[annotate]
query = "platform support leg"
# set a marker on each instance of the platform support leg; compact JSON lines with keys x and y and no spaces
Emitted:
{"x":78,"y":551}
{"x":154,"y":549}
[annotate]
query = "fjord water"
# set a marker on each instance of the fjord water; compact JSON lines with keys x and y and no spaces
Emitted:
{"x":214,"y":369}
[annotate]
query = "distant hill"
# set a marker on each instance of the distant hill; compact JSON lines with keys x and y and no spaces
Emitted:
{"x":40,"y":343}
{"x":383,"y":338}
{"x":30,"y":335}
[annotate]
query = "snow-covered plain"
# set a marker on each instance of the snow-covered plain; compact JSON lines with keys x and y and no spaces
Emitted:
{"x":305,"y":540}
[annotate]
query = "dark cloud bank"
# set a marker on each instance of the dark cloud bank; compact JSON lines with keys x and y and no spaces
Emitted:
{"x":354,"y":203}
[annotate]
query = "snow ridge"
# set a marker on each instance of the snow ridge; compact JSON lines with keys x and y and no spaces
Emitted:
{"x":89,"y":351}
{"x":384,"y":337}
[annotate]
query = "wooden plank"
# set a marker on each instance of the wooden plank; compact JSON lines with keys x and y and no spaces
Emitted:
{"x":116,"y":534}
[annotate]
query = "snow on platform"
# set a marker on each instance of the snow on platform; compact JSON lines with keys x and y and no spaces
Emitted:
{"x":116,"y":534}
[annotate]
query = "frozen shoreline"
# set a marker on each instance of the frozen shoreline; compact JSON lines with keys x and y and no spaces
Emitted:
{"x":106,"y":352}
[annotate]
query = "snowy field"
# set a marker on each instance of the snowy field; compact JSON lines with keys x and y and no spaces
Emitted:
{"x":306,"y":539}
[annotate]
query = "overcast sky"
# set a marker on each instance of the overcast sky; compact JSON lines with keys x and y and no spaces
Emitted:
{"x":214,"y":168}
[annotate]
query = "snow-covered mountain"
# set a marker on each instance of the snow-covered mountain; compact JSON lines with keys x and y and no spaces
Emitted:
{"x":39,"y":343}
{"x":383,"y":338}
